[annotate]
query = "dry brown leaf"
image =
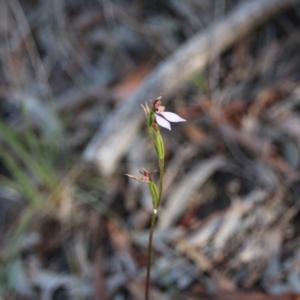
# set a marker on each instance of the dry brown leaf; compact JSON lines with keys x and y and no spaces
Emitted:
{"x":131,"y":82}
{"x":137,"y":290}
{"x":118,"y":236}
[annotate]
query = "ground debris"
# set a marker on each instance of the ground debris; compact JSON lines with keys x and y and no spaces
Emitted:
{"x":72,"y":77}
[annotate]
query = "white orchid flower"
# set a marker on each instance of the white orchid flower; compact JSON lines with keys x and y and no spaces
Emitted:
{"x":163,"y":118}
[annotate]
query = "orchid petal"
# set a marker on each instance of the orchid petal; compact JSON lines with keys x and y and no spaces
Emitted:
{"x":162,"y":122}
{"x":172,"y":117}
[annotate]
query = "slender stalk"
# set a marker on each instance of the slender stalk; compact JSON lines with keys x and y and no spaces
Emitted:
{"x":161,"y":163}
{"x":159,"y":147}
{"x":153,"y":220}
{"x":152,"y":226}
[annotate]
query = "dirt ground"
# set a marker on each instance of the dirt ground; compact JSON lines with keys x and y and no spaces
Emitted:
{"x":72,"y":77}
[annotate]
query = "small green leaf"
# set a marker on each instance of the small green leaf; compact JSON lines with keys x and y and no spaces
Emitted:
{"x":151,"y":118}
{"x":154,"y":193}
{"x":159,"y":145}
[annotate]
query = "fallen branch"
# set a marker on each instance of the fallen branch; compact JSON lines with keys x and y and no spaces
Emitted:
{"x":112,"y":141}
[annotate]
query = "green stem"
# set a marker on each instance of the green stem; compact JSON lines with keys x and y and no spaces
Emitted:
{"x":161,"y":163}
{"x":153,"y":220}
{"x":159,"y":148}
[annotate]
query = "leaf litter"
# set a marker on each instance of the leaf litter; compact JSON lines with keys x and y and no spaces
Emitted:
{"x":228,"y":224}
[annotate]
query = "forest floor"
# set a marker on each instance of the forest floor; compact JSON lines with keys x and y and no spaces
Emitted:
{"x":73,"y":226}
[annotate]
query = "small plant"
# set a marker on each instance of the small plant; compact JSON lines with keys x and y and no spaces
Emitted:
{"x":156,"y":116}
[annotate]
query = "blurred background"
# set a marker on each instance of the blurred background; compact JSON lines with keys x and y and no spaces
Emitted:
{"x":73,"y":74}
